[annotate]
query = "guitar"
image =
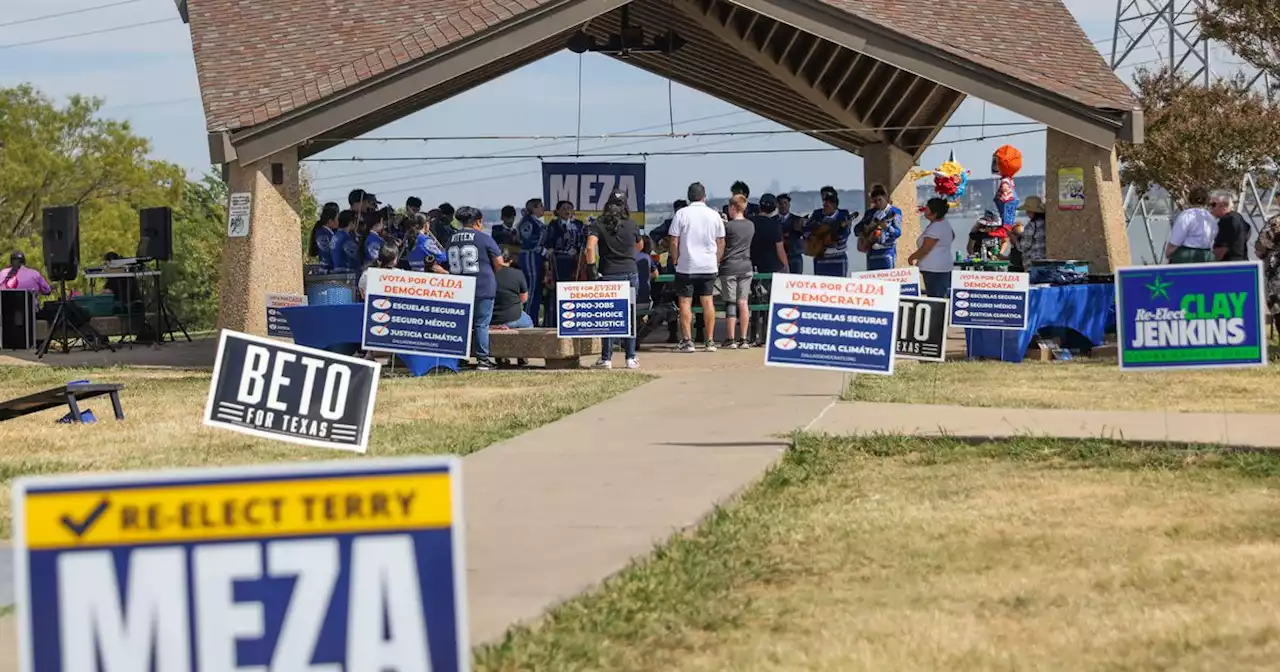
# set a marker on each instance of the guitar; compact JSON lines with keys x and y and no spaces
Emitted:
{"x":826,"y":234}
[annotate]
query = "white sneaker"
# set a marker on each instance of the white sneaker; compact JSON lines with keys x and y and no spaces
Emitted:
{"x":603,"y":364}
{"x":633,"y":363}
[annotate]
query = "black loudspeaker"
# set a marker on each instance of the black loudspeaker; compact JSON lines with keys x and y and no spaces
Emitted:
{"x":155,"y":239}
{"x":62,"y":242}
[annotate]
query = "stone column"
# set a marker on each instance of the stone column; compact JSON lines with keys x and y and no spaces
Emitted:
{"x":1097,"y":233}
{"x":269,"y":259}
{"x":888,"y":166}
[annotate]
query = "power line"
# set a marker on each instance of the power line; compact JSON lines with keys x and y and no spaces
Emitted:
{"x":504,"y":153}
{"x":90,"y":32}
{"x":68,"y":12}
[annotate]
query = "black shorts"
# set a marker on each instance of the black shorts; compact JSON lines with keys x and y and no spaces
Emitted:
{"x":695,"y":284}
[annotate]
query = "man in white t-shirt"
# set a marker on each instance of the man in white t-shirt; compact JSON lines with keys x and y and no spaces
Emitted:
{"x":696,"y":242}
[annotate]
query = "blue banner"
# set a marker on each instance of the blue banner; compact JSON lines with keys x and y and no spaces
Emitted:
{"x":588,"y":185}
{"x":1191,"y":316}
{"x":984,"y":300}
{"x":339,"y":565}
{"x":594,"y":309}
{"x":834,"y":324}
{"x":418,"y":313}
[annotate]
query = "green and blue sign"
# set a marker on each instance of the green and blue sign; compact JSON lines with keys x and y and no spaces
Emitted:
{"x":1191,"y":316}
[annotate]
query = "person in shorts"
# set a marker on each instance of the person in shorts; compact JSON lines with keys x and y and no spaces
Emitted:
{"x":696,"y":241}
{"x":736,"y":273}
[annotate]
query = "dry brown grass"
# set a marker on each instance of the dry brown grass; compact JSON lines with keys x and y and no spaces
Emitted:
{"x":164,"y":408}
{"x":899,"y":554}
{"x":1083,"y":384}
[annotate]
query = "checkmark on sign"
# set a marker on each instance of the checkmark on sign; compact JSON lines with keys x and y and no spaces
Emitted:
{"x":92,"y":517}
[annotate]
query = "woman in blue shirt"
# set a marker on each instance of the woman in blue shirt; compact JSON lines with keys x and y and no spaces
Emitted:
{"x":345,"y":248}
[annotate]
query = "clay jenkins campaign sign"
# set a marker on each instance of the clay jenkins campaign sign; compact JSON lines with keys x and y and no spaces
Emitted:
{"x":832,"y":323}
{"x":418,"y":313}
{"x":594,"y":309}
{"x":283,"y":391}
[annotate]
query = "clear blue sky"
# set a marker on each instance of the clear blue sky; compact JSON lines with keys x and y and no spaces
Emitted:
{"x":146,"y":75}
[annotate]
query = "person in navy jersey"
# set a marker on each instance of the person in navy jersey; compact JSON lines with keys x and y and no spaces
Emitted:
{"x":504,"y":232}
{"x":835,"y":225}
{"x":879,"y":230}
{"x":373,"y":240}
{"x":792,"y":234}
{"x":473,"y":252}
{"x":531,"y":232}
{"x":345,"y":248}
{"x":565,"y":237}
{"x":426,"y":254}
{"x":322,"y":236}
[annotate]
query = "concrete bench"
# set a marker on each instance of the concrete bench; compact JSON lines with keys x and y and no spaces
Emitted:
{"x":559,"y":353}
{"x":107,"y":325}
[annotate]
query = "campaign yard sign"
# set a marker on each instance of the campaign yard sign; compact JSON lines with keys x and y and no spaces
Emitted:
{"x":832,"y":323}
{"x":922,"y":329}
{"x":277,"y":326}
{"x":1188,"y":316}
{"x":418,"y":313}
{"x":305,"y":566}
{"x":984,"y":300}
{"x":908,"y":277}
{"x":277,"y":390}
{"x":588,"y":185}
{"x":594,"y":309}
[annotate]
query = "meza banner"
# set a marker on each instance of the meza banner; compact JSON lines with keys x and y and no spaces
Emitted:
{"x":594,"y":309}
{"x":832,"y":323}
{"x":418,"y":313}
{"x":1188,"y":316}
{"x":288,"y":392}
{"x":277,"y":326}
{"x":588,"y":185}
{"x":984,"y":300}
{"x":908,"y":277}
{"x":922,"y":329}
{"x":307,"y":566}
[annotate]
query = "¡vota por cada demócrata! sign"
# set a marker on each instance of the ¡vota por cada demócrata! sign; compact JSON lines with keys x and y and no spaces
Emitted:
{"x":309,"y":566}
{"x":418,"y":313}
{"x":987,"y":300}
{"x":832,"y":323}
{"x":908,"y":278}
{"x":288,"y":392}
{"x":1187,"y":316}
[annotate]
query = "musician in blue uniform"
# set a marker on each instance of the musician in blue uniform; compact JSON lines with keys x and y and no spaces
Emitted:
{"x":504,"y":232}
{"x":565,"y":238}
{"x":345,"y":248}
{"x":879,"y":230}
{"x":373,"y":240}
{"x":837,"y":224}
{"x":792,"y":234}
{"x":426,"y":255}
{"x":322,"y":236}
{"x":532,"y":233}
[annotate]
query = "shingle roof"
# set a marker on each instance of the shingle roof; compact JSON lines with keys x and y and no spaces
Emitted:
{"x":258,"y":59}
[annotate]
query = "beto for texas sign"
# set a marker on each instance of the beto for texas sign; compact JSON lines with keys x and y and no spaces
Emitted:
{"x":1191,"y":316}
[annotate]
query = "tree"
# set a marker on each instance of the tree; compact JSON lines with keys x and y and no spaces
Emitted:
{"x":1251,"y":28}
{"x":1198,"y":135}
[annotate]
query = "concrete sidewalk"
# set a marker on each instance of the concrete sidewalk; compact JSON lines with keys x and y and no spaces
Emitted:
{"x":1234,"y":429}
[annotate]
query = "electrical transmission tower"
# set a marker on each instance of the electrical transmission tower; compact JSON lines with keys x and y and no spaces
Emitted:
{"x":1166,"y":33}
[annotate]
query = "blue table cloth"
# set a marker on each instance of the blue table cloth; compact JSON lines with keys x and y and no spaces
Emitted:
{"x":336,"y":328}
{"x":1089,"y":310}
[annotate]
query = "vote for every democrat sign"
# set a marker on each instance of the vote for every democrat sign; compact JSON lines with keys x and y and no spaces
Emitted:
{"x":832,"y":323}
{"x":1191,"y":316}
{"x":594,"y":309}
{"x":305,"y":566}
{"x":418,"y":313}
{"x":985,"y":300}
{"x":908,"y":278}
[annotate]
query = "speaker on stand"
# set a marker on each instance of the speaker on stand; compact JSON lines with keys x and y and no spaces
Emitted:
{"x":155,"y":241}
{"x":61,"y":238}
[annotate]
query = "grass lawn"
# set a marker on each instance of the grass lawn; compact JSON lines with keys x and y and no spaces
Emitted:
{"x":1081,"y":384}
{"x":164,"y":410}
{"x":930,"y":554}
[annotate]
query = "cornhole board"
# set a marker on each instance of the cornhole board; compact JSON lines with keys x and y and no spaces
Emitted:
{"x":67,"y":395}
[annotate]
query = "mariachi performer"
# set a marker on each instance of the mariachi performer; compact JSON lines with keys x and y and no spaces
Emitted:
{"x":531,"y":232}
{"x":792,"y":234}
{"x":565,"y":237}
{"x":827,"y":236}
{"x":1007,"y":163}
{"x":879,"y":230}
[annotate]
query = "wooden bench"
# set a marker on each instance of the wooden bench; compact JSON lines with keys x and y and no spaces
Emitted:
{"x":544,"y":344}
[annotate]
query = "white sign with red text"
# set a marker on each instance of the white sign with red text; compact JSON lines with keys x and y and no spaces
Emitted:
{"x":594,"y":309}
{"x":832,"y":324}
{"x":418,"y":313}
{"x":908,"y":278}
{"x":986,"y":300}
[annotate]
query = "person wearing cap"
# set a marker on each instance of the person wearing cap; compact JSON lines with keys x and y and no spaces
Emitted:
{"x":1029,"y":238}
{"x":792,"y":234}
{"x":836,"y":223}
{"x":530,"y":233}
{"x":879,"y":230}
{"x":20,"y":276}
